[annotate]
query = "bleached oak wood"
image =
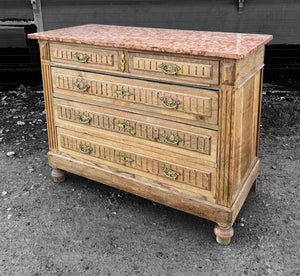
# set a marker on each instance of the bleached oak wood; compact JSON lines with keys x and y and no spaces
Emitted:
{"x":223,"y":233}
{"x":140,"y":185}
{"x":58,"y":175}
{"x":47,"y":84}
{"x":195,"y":140}
{"x":196,"y":105}
{"x":187,"y":139}
{"x":142,"y":160}
{"x":189,"y":69}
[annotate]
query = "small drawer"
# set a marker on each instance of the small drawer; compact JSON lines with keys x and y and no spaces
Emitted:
{"x":173,"y":101}
{"x":84,"y":56}
{"x":172,"y":135}
{"x":95,"y":151}
{"x":173,"y":68}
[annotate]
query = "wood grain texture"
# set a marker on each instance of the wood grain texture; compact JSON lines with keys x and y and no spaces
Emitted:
{"x":245,"y":130}
{"x":223,"y":233}
{"x":142,"y":160}
{"x":47,"y":85}
{"x":191,"y":69}
{"x":193,"y":103}
{"x":164,"y":137}
{"x":200,"y":143}
{"x":128,"y":136}
{"x":144,"y":187}
{"x":245,"y":188}
{"x":146,"y":164}
{"x":96,"y":57}
{"x":239,"y":112}
{"x":228,"y":72}
{"x":249,"y":66}
{"x":226,"y":96}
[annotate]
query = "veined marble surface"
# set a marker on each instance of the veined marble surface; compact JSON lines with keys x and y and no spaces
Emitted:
{"x":198,"y":43}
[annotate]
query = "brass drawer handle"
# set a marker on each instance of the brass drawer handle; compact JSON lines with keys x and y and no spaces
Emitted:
{"x":85,"y":149}
{"x":171,"y":139}
{"x":169,"y":103}
{"x":123,"y":93}
{"x":82,"y":87}
{"x":124,"y":126}
{"x":84,"y":119}
{"x":169,"y":69}
{"x":170,"y":173}
{"x":125,"y":158}
{"x":81,"y":58}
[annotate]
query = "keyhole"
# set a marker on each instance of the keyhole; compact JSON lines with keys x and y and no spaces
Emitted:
{"x":202,"y":71}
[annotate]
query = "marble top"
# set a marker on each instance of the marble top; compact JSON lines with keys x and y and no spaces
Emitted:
{"x":210,"y":44}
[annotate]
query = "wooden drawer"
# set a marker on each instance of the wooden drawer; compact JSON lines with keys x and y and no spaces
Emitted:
{"x":173,"y":101}
{"x":172,"y":135}
{"x":94,"y":150}
{"x":174,"y":68}
{"x":84,"y":56}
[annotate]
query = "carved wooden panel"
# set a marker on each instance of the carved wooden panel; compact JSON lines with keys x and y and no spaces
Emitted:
{"x":224,"y":143}
{"x":47,"y":85}
{"x":246,"y":127}
{"x":175,"y":68}
{"x":193,"y":177}
{"x":186,"y":69}
{"x":144,"y":130}
{"x":84,"y":56}
{"x":188,"y":100}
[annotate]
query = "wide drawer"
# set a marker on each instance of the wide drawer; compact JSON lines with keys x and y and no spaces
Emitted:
{"x":89,"y":57}
{"x":94,"y":150}
{"x":173,"y":101}
{"x":174,"y":68}
{"x":174,"y":136}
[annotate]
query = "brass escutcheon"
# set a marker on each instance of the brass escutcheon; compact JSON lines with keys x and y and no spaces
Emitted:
{"x":83,"y":58}
{"x":124,"y":126}
{"x":171,"y":139}
{"x":82,"y":87}
{"x":169,"y":103}
{"x":85,"y":149}
{"x":170,"y":173}
{"x":125,"y":158}
{"x":122,"y":61}
{"x":84,"y":119}
{"x":169,"y":69}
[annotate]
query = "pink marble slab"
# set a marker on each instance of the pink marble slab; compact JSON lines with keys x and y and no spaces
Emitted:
{"x":211,"y":44}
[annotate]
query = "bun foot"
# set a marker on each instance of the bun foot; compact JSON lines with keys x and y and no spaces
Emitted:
{"x":223,"y":233}
{"x":58,"y":175}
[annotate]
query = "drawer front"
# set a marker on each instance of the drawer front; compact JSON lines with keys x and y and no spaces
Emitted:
{"x":172,"y":100}
{"x":139,"y":126}
{"x":103,"y":150}
{"x":84,"y":56}
{"x":175,"y":69}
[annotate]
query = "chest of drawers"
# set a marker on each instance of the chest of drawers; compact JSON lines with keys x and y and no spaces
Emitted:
{"x":169,"y":115}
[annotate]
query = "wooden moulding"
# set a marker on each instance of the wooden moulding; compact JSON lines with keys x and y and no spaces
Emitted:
{"x":195,"y":105}
{"x":249,"y":66}
{"x":63,"y":59}
{"x":224,"y":134}
{"x":246,"y":186}
{"x":156,"y":191}
{"x":143,"y":187}
{"x":149,"y":129}
{"x":47,"y":84}
{"x":191,"y":69}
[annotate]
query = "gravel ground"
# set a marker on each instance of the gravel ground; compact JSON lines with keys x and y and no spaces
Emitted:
{"x":81,"y":227}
